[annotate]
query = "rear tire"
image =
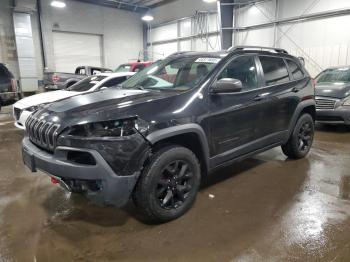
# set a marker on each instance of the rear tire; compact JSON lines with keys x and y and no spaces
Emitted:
{"x":300,"y":142}
{"x":168,"y":185}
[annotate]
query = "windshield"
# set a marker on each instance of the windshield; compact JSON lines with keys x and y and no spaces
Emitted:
{"x":123,"y":68}
{"x":179,"y":74}
{"x":86,"y":84}
{"x":334,"y":75}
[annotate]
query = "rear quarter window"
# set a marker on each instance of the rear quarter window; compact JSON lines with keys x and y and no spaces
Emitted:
{"x":275,"y":70}
{"x":295,"y":70}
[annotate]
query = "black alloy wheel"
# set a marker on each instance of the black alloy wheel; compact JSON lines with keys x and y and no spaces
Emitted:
{"x":174,"y":184}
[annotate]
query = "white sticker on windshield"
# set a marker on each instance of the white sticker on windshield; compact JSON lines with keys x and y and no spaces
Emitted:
{"x":211,"y":60}
{"x":93,"y":82}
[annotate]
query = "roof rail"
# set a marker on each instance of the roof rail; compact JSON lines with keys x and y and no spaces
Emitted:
{"x":180,"y":53}
{"x":262,"y":48}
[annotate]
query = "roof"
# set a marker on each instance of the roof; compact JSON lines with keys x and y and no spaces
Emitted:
{"x":119,"y":74}
{"x":194,"y":53}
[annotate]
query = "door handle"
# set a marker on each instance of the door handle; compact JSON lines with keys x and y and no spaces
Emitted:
{"x":296,"y":89}
{"x":261,"y":97}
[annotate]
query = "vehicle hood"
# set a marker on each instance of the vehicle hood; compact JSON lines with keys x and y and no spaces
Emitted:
{"x":109,"y":100}
{"x":44,"y":98}
{"x":154,"y":107}
{"x":336,"y":90}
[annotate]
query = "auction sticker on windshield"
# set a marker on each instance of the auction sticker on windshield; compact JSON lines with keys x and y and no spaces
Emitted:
{"x":211,"y":60}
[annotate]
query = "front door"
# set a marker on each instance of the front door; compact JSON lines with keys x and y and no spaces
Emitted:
{"x":233,"y":115}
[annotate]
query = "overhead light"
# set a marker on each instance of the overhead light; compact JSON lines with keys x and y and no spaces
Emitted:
{"x":209,"y":1}
{"x":148,"y":17}
{"x":58,"y":4}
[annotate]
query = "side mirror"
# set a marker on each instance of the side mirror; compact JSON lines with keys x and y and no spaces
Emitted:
{"x":227,"y":85}
{"x":103,"y":88}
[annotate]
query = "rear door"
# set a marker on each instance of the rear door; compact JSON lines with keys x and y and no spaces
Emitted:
{"x":278,"y":100}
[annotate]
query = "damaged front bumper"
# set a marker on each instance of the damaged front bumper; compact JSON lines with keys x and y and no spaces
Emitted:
{"x":86,"y":170}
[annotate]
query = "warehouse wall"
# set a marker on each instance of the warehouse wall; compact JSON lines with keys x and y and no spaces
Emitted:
{"x":121,"y":31}
{"x":179,"y":9}
{"x":322,"y":42}
{"x":173,"y":32}
{"x":8,"y":54}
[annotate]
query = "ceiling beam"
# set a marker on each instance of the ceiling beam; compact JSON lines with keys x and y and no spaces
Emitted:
{"x":117,"y":4}
{"x":162,"y":2}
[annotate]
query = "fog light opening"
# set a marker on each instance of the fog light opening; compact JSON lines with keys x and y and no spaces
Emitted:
{"x":83,"y":158}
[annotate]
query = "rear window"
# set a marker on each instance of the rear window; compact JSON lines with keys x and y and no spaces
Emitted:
{"x":275,"y":70}
{"x":86,"y":83}
{"x":123,"y":68}
{"x":115,"y":81}
{"x":297,"y":73}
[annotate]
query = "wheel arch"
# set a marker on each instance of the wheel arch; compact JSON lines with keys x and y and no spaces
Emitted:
{"x":191,"y":136}
{"x":307,"y":106}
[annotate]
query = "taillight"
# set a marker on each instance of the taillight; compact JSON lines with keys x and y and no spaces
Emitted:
{"x":314,"y":82}
{"x":14,"y":85}
{"x":55,"y":78}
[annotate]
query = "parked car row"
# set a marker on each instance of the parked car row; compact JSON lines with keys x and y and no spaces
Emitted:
{"x":25,"y":107}
{"x":57,"y":80}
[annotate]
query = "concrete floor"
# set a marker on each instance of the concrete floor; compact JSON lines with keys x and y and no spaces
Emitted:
{"x":265,"y":209}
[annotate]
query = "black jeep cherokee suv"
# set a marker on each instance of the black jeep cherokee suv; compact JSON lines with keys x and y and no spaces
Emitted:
{"x":157,"y":135}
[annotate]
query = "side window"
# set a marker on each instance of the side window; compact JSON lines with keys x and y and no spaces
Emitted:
{"x":81,"y":71}
{"x":275,"y":70}
{"x":114,"y":82}
{"x":242,"y":68}
{"x":295,"y":70}
{"x":95,"y":71}
{"x":138,"y":68}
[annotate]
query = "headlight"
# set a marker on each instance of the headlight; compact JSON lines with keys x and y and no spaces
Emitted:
{"x":112,"y":128}
{"x":347,"y":102}
{"x":32,"y":108}
{"x":35,"y":108}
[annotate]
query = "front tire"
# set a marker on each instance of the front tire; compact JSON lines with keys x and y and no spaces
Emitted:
{"x":300,"y":142}
{"x":168,"y":185}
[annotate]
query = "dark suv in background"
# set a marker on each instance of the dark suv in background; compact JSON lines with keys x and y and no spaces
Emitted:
{"x":156,"y":136}
{"x":8,"y":86}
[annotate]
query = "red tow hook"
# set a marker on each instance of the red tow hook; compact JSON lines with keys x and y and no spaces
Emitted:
{"x":54,"y":181}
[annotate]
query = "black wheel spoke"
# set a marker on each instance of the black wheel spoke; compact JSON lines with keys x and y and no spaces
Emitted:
{"x":305,"y":137}
{"x":183,"y":188}
{"x":168,"y":197}
{"x":174,"y":185}
{"x":182,"y":172}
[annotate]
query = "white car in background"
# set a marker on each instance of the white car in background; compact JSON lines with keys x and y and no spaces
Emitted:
{"x":26,"y":106}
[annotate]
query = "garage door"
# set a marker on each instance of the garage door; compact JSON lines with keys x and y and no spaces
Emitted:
{"x":72,"y":50}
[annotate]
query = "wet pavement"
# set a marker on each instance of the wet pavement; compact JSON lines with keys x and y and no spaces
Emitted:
{"x":265,"y":208}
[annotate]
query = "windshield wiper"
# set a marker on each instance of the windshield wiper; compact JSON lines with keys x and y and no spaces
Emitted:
{"x":139,"y":87}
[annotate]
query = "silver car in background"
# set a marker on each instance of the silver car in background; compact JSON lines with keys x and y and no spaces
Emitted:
{"x":333,"y":96}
